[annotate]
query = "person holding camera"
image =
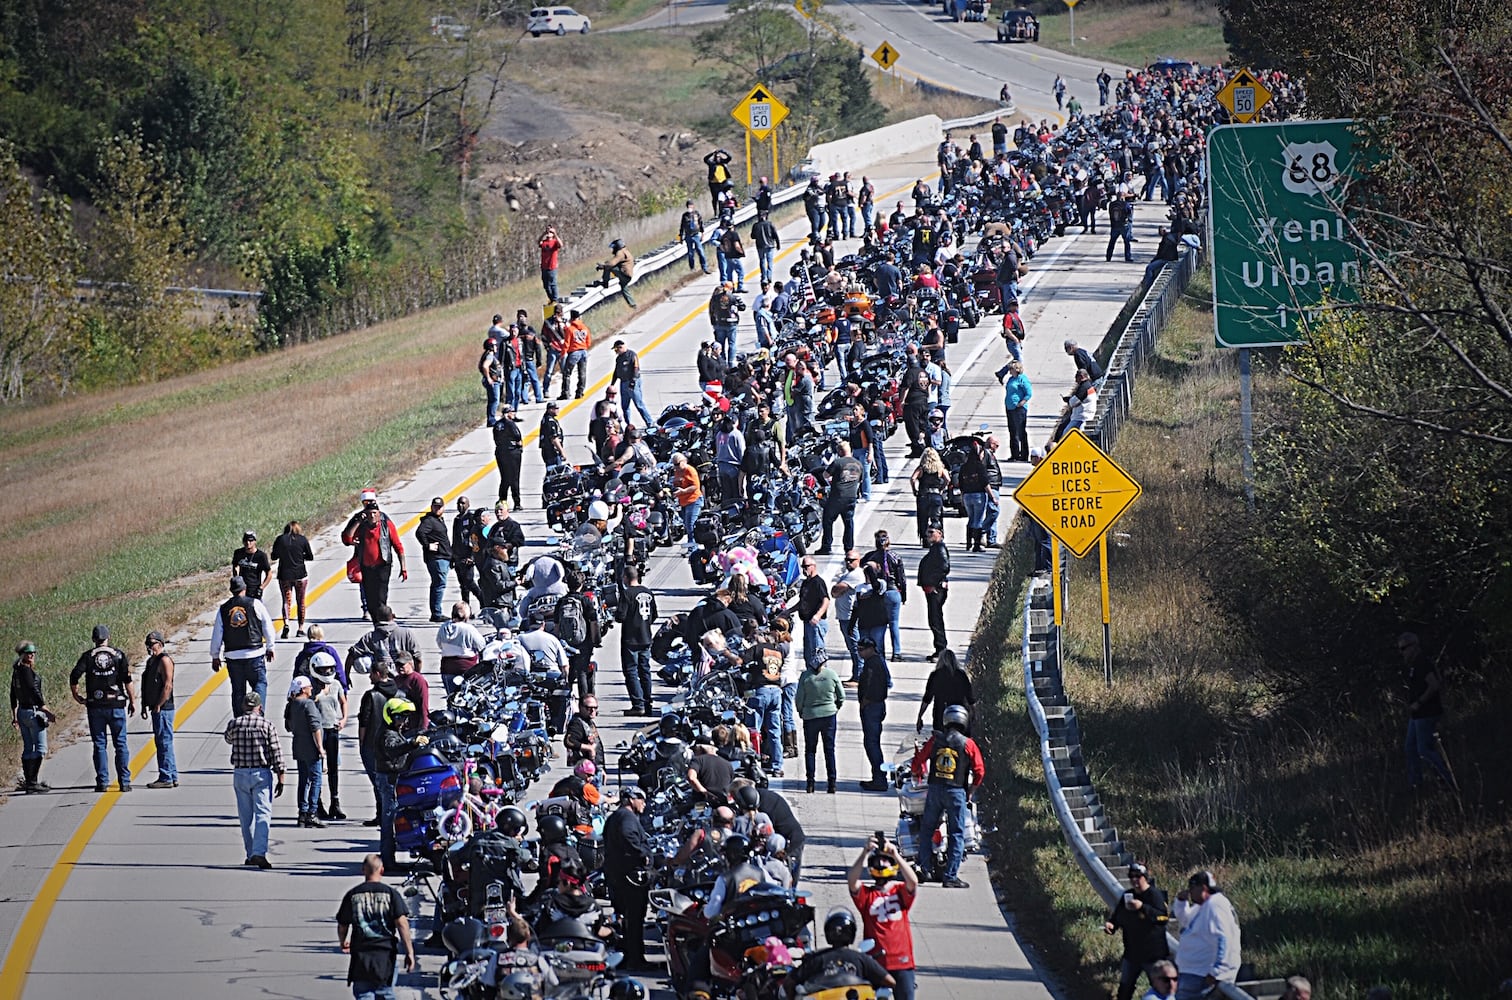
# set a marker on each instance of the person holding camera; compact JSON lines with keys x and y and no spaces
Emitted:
{"x":724,"y":317}
{"x":376,"y":543}
{"x":884,"y":906}
{"x":1141,"y":915}
{"x":551,"y":257}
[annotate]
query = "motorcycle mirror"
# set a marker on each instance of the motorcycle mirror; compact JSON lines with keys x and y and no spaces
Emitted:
{"x":613,"y":959}
{"x":866,"y":946}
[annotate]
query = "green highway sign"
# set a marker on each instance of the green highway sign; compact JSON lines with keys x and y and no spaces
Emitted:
{"x":1282,"y":250}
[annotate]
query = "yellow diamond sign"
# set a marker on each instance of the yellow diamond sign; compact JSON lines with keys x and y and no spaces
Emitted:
{"x":1244,"y":96}
{"x":808,"y":8}
{"x":885,"y":56}
{"x":1077,"y":492}
{"x":760,"y":112}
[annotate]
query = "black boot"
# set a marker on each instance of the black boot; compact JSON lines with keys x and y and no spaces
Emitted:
{"x":336,"y":812}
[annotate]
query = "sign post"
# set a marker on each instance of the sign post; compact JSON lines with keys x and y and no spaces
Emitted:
{"x":760,"y":113}
{"x":1077,"y":493}
{"x":1071,"y":9}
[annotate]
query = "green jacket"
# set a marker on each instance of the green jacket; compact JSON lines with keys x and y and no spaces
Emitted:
{"x":820,"y":694}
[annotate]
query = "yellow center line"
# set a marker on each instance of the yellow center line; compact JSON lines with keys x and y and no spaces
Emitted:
{"x":23,"y":949}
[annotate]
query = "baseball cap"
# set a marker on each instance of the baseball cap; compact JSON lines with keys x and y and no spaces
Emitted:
{"x":101,"y":633}
{"x":156,"y":636}
{"x":251,"y":701}
{"x":633,"y":792}
{"x":438,"y":501}
{"x":26,"y":647}
{"x":369,"y":496}
{"x":299,"y":684}
{"x":1135,"y":868}
{"x":249,"y":536}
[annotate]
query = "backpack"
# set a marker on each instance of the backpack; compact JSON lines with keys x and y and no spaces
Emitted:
{"x":571,"y":620}
{"x":758,"y":459}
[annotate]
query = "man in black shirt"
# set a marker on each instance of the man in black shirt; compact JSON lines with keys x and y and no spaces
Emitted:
{"x":1142,"y":915}
{"x":370,"y":923}
{"x":813,"y":608}
{"x":872,"y":694}
{"x":627,"y":372}
{"x":711,"y":614}
{"x":637,"y":615}
{"x":252,"y":565}
{"x":110,"y":698}
{"x":436,"y":550}
{"x":627,"y":851}
{"x":1084,"y":361}
{"x":844,"y":489}
{"x":464,"y":562}
{"x":934,"y":581}
{"x":764,"y":662}
{"x":710,"y":774}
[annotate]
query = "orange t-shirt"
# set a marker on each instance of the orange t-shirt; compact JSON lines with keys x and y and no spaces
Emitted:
{"x":578,"y":338}
{"x":686,"y":485}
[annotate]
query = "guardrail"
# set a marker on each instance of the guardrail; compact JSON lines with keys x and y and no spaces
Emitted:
{"x":1085,"y":825}
{"x":1141,"y":319}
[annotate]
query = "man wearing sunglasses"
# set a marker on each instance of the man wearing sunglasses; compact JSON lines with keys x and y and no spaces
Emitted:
{"x":1162,"y":981}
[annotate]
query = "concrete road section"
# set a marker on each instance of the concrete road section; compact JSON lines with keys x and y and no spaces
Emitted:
{"x":144,"y":894}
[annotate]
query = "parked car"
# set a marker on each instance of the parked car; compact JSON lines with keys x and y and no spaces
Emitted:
{"x":557,"y":21}
{"x":1169,"y":65}
{"x":1018,"y":25}
{"x":443,"y":26}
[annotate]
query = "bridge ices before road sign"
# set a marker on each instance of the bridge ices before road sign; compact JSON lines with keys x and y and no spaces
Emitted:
{"x":1282,"y":249}
{"x":1077,"y":492}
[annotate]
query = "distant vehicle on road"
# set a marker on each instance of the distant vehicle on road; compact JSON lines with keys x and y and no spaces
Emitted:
{"x":557,"y":21}
{"x":444,"y":26}
{"x":1169,"y":65}
{"x":1018,"y":25}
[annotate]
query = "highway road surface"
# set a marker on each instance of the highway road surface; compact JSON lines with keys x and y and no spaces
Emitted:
{"x":144,"y":895}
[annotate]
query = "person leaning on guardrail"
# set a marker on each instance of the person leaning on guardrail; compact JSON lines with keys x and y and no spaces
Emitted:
{"x":1208,"y":953}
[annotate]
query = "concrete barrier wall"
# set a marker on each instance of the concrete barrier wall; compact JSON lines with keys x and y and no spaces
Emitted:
{"x":862,"y":150}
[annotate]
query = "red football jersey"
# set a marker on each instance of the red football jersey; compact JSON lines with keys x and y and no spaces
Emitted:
{"x":884,"y":919}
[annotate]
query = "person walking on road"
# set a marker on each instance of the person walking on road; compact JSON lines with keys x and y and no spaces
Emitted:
{"x":464,"y":561}
{"x":291,"y":550}
{"x":690,"y":229}
{"x":931,"y":480}
{"x":1208,"y":952}
{"x":302,"y":720}
{"x":820,"y":695}
{"x":243,"y":632}
{"x":934,"y":581}
{"x":871,"y":693}
{"x":509,"y":455}
{"x":627,"y":853}
{"x":1141,"y":915}
{"x":110,"y":697}
{"x":956,"y":771}
{"x":551,"y":258}
{"x":157,"y":704}
{"x":884,"y":906}
{"x":435,"y":548}
{"x":1121,"y":225}
{"x":845,"y":474}
{"x":258,"y":776}
{"x":948,"y":684}
{"x":371,"y":923}
{"x":764,"y":237}
{"x":627,"y":373}
{"x":376,"y":544}
{"x":638,"y":615}
{"x":251,"y":564}
{"x":30,"y":715}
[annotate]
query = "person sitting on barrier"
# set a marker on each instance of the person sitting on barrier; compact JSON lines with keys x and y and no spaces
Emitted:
{"x":1162,"y":981}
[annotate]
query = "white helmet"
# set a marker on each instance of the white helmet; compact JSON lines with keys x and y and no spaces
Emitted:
{"x":598,"y":511}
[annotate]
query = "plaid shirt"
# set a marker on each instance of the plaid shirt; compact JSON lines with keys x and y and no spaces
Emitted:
{"x":254,"y":743}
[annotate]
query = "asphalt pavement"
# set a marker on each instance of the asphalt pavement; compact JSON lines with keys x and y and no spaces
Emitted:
{"x":144,"y":893}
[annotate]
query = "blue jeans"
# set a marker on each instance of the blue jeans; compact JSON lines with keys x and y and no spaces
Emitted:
{"x":976,"y":509}
{"x":553,"y":362}
{"x":549,"y":284}
{"x":492,"y":412}
{"x":736,"y":267}
{"x":311,"y":773}
{"x":1008,"y":291}
{"x":633,"y":397}
{"x":950,"y":802}
{"x":1422,"y":745}
{"x":813,"y":638}
{"x":1124,"y":232}
{"x":724,"y":336}
{"x":766,"y":702}
{"x":850,"y":221}
{"x":689,"y":515}
{"x":532,"y":379}
{"x":33,"y":736}
{"x":106,"y":726}
{"x":1156,"y":180}
{"x":878,"y":455}
{"x":254,"y":806}
{"x":247,"y":673}
{"x":362,"y":990}
{"x":866,"y":483}
{"x":575,"y":361}
{"x":816,"y":220}
{"x":764,"y":257}
{"x":695,"y":249}
{"x":1191,"y":986}
{"x":872,"y":715}
{"x":386,"y":811}
{"x":989,"y":521}
{"x":816,"y":731}
{"x":894,"y":615}
{"x":836,"y":215}
{"x":851,"y":636}
{"x":514,"y":387}
{"x":877,"y":634}
{"x":636,"y":664}
{"x":438,"y":570}
{"x":868,"y":216}
{"x":722,"y":263}
{"x":789,"y":707}
{"x":903,"y":985}
{"x":162,"y":738}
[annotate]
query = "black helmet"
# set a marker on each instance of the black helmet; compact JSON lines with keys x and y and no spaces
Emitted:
{"x":441,"y":718}
{"x":747,"y":797}
{"x":840,"y":928}
{"x":449,"y":747}
{"x":512,"y":821}
{"x":517,"y":986}
{"x":616,"y":243}
{"x":957,"y":716}
{"x":551,"y":828}
{"x":736,"y":849}
{"x":627,"y":989}
{"x":670,"y":725}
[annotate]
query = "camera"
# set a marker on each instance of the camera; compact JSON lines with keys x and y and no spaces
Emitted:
{"x":740,"y":305}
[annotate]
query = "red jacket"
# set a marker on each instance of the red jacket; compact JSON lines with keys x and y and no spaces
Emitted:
{"x":374,"y":546}
{"x":973,"y":754}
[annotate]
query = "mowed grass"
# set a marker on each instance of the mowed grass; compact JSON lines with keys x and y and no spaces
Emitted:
{"x":1337,"y":873}
{"x":1137,"y":33}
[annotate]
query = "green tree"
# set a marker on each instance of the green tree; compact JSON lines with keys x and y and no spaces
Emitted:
{"x":39,"y":260}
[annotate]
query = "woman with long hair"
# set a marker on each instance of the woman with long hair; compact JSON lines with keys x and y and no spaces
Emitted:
{"x":930,"y":481}
{"x":291,"y":550}
{"x":948,"y":684}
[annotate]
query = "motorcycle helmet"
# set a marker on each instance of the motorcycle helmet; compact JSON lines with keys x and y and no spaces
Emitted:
{"x":442,"y":719}
{"x":449,"y":747}
{"x":747,"y":797}
{"x":736,"y":850}
{"x":394,"y":708}
{"x":512,"y":821}
{"x":627,"y":989}
{"x":517,"y":986}
{"x":598,"y":511}
{"x":572,"y":871}
{"x":840,"y":928}
{"x":616,"y":244}
{"x":957,"y":716}
{"x":585,"y":769}
{"x":552,"y":829}
{"x":670,"y":726}
{"x":881,"y":866}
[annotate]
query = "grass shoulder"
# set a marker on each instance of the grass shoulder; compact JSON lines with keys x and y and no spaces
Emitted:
{"x":1136,"y":33}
